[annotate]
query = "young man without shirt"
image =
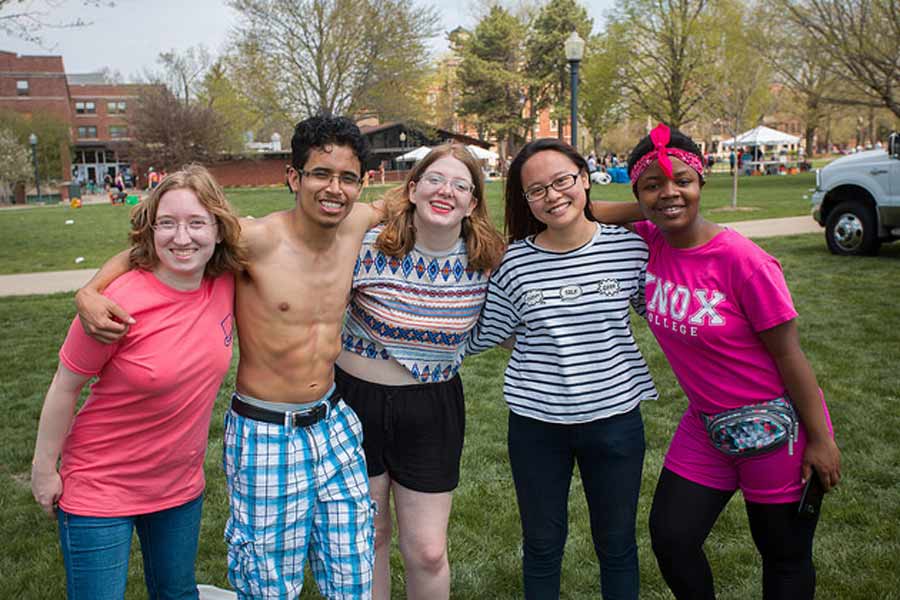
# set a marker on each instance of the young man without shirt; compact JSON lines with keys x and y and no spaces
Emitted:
{"x":293,"y":457}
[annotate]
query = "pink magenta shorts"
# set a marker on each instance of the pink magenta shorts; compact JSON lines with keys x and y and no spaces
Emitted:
{"x":769,"y":478}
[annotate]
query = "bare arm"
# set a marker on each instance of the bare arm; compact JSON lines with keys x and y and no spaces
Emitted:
{"x":616,"y":213}
{"x":56,"y":419}
{"x":101,"y":318}
{"x":783,"y":343}
{"x":374,"y":212}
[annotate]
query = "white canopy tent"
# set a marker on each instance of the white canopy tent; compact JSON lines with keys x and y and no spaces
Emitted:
{"x":482,"y":154}
{"x":761,"y":136}
{"x":414,"y":155}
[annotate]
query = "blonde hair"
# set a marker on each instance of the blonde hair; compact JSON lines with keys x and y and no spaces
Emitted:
{"x":484,"y":244}
{"x":230,"y":255}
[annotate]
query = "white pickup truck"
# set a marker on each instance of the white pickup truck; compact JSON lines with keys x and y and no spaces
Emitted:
{"x":857,"y":200}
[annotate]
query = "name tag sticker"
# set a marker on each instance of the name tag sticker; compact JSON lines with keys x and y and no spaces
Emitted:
{"x":533,"y":297}
{"x":570,"y":292}
{"x":609,"y":287}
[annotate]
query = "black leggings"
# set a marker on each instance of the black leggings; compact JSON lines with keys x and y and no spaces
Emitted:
{"x":682,"y":516}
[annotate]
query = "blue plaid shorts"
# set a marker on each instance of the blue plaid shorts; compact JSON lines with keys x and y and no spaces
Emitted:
{"x":298,"y":492}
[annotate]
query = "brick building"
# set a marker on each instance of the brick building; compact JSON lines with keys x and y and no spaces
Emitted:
{"x":100,"y":136}
{"x":97,"y":112}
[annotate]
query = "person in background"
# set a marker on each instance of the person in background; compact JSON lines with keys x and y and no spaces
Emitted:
{"x":153,"y":178}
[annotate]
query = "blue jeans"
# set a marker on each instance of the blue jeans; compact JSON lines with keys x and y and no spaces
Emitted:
{"x":96,"y":550}
{"x":610,"y":456}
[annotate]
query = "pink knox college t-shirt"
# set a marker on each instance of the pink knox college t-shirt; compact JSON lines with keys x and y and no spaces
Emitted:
{"x":138,"y":443}
{"x":706,"y":305}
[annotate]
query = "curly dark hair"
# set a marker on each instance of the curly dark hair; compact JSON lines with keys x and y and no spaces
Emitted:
{"x":322,"y":130}
{"x":676,"y":140}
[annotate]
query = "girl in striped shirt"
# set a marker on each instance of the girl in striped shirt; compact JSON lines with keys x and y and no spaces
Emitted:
{"x":576,"y":378}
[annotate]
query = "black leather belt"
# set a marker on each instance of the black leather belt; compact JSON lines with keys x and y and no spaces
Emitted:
{"x":288,"y":418}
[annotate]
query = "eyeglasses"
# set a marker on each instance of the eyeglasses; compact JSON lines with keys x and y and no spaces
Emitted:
{"x":165,"y":225}
{"x":325,"y":176}
{"x":436,"y":180}
{"x":538,"y":192}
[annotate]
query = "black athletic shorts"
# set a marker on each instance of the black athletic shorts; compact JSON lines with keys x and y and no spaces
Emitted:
{"x":413,"y":432}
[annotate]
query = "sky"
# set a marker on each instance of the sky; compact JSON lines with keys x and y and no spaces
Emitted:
{"x":130,"y":35}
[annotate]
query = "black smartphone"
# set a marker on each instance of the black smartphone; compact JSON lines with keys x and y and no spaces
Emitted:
{"x":811,"y":500}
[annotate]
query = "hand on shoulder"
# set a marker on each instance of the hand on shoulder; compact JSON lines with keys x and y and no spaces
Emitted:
{"x":363,"y":217}
{"x":260,"y":235}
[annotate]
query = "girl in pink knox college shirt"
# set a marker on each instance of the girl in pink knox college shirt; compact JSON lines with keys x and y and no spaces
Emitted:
{"x":132,"y":458}
{"x":722,"y":314}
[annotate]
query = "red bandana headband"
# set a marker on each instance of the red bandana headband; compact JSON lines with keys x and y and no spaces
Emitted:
{"x":660,"y":136}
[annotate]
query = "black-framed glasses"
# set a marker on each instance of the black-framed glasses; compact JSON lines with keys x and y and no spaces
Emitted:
{"x":325,"y":176}
{"x":538,"y":192}
{"x":436,"y":180}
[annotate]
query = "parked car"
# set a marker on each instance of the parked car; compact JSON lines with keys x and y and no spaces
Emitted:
{"x":857,"y":200}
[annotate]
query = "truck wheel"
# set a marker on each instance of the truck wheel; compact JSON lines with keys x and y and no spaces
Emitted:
{"x":850,"y":230}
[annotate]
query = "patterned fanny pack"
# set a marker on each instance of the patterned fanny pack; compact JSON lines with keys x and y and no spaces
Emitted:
{"x":754,"y":429}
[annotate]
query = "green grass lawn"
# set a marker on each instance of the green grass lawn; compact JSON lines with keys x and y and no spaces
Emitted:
{"x":848,"y":315}
{"x":38,"y":239}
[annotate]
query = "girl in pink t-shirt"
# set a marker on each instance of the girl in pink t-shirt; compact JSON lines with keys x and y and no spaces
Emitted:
{"x":722,"y":314}
{"x":132,"y":458}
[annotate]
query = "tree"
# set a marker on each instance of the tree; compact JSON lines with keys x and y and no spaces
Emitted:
{"x":53,"y":134}
{"x":26,"y":20}
{"x":738,"y":99}
{"x":801,"y":67}
{"x":667,"y":57}
{"x":546,"y":60}
{"x":602,"y":106}
{"x":218,"y":92}
{"x":859,"y":38}
{"x":168,"y":134}
{"x":445,"y":101}
{"x":14,"y":163}
{"x":307,"y":56}
{"x":491,"y":81}
{"x":183,"y":72}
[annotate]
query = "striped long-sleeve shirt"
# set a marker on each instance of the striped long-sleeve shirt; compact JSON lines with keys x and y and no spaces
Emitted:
{"x":575,"y":359}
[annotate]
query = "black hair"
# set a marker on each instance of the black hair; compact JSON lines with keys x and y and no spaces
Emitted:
{"x":676,"y":140}
{"x":322,"y":130}
{"x":520,"y":222}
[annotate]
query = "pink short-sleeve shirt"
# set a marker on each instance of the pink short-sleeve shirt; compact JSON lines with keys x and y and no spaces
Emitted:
{"x":706,"y":307}
{"x":138,"y":443}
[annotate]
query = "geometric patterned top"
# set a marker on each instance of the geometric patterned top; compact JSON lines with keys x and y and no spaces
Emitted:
{"x":417,"y":309}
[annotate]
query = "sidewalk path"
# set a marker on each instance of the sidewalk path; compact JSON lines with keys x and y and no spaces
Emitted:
{"x":763,"y":228}
{"x":48,"y":282}
{"x":52,"y":282}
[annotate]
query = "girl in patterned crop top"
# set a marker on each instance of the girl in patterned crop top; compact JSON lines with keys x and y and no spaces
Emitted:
{"x":419,"y":284}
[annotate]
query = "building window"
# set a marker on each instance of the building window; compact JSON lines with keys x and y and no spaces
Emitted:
{"x":89,"y":131}
{"x":116,"y":108}
{"x":22,"y":87}
{"x":118,"y":131}
{"x":85,"y":108}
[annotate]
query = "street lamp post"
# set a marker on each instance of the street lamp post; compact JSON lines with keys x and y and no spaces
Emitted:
{"x":32,"y":139}
{"x":574,"y":53}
